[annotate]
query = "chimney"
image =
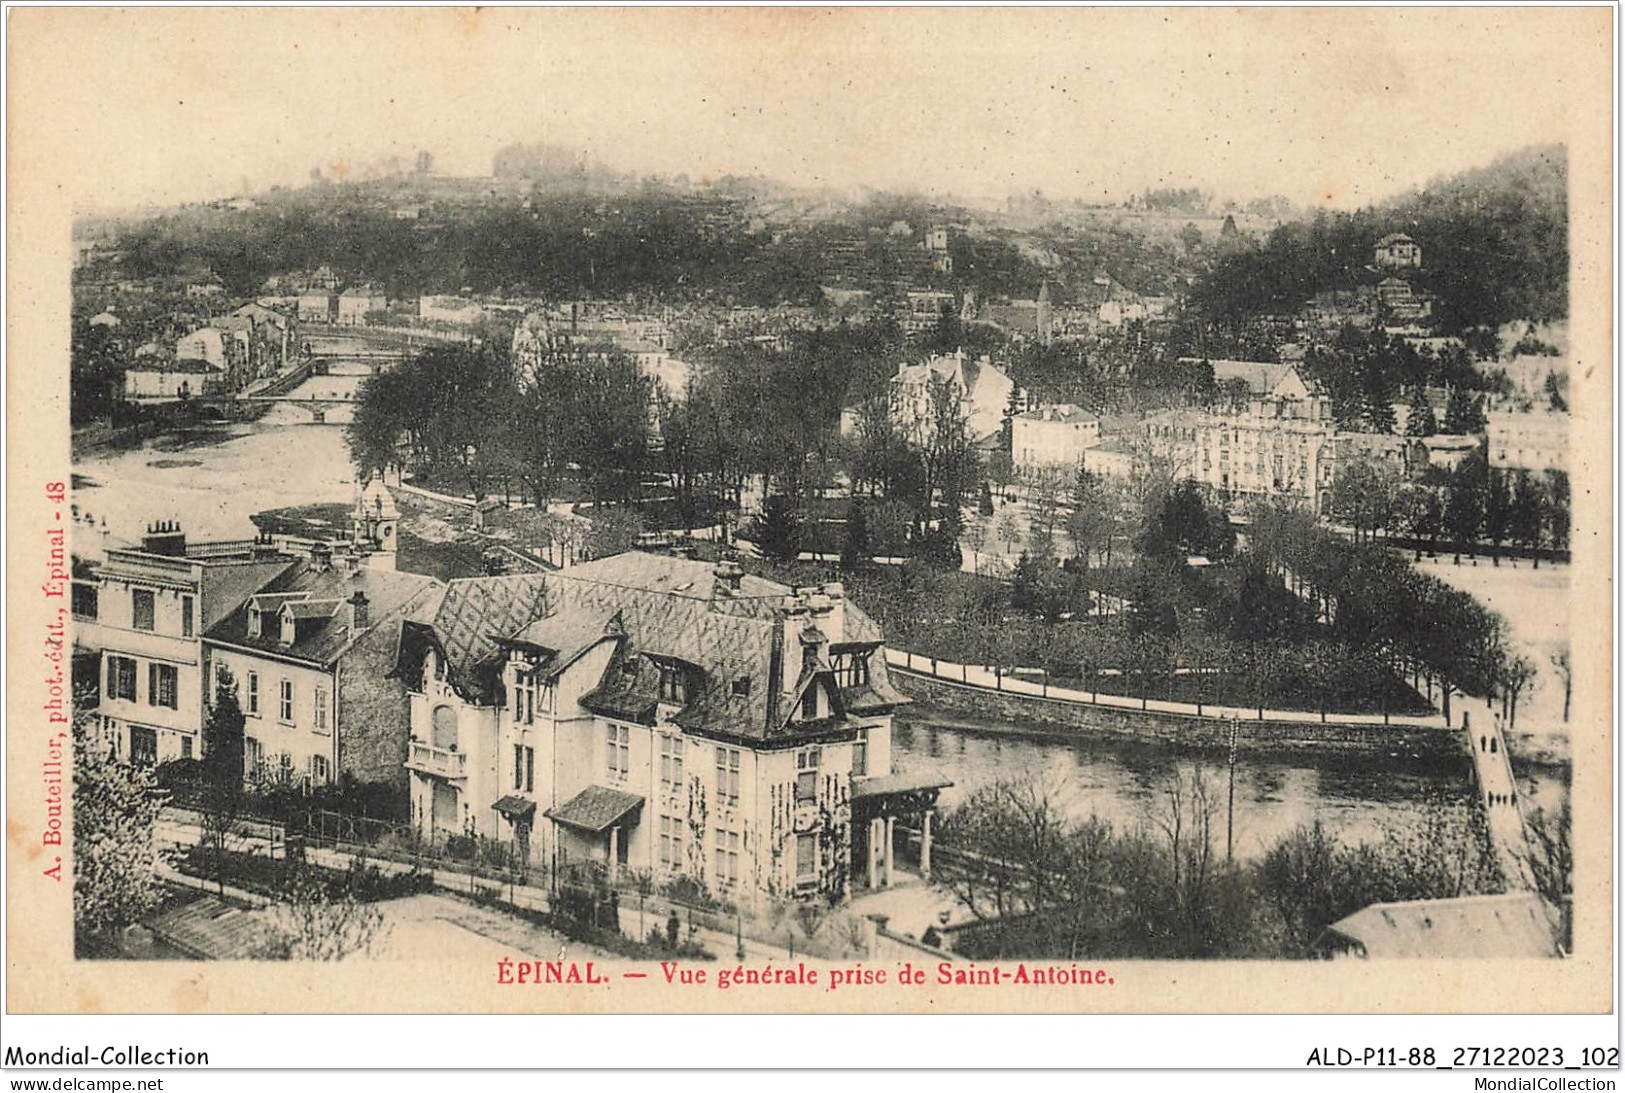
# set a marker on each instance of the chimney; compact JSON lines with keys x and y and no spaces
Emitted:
{"x":165,"y":537}
{"x":359,"y":618}
{"x":321,"y":557}
{"x":729,"y":574}
{"x":264,"y":548}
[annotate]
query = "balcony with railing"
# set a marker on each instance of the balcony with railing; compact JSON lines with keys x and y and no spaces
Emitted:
{"x":440,"y":762}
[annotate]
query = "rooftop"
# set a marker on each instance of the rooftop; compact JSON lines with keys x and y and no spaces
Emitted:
{"x":1065,"y":414}
{"x":323,"y":631}
{"x":1497,"y":927}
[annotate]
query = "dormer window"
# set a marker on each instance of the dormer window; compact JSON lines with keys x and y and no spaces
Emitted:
{"x":851,"y":669}
{"x":673,"y":687}
{"x":809,"y":703}
{"x":255,"y":621}
{"x":289,"y":630}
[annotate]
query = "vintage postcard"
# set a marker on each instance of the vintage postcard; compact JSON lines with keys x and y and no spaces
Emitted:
{"x":789,"y":510}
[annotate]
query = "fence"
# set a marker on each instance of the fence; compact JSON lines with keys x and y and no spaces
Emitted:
{"x":1019,"y":682}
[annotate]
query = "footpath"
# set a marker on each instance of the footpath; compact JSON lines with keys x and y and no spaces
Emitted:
{"x":177,"y":828}
{"x":986,"y":678}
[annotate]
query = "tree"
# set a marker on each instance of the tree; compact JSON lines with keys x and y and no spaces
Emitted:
{"x":780,"y":529}
{"x":1557,"y":509}
{"x":1090,"y":524}
{"x":1464,"y":503}
{"x":1044,"y":493}
{"x":1515,"y":675}
{"x":1526,"y":519}
{"x":1551,"y":855}
{"x":1560,"y":662}
{"x":1420,"y":421}
{"x":1266,"y":664}
{"x":855,"y":548}
{"x":115,"y":815}
{"x":1498,"y":514}
{"x":1363,"y":497}
{"x":315,"y":924}
{"x":223,"y":756}
{"x":1464,"y":414}
{"x":1037,"y":880}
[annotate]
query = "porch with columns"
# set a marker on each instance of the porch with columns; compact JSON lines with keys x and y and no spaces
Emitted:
{"x":877,"y":805}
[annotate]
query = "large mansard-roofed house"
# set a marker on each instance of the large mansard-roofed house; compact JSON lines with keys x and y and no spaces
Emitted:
{"x":652,"y":713}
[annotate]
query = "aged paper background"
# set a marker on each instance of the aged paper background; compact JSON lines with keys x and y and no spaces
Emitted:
{"x":58,"y":100}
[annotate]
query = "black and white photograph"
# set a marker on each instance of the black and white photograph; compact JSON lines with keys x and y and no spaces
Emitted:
{"x":811,"y":510}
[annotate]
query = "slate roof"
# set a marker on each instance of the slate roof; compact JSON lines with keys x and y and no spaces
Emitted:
{"x":1065,"y":413}
{"x":658,"y":606}
{"x":226,"y":583}
{"x":464,"y":622}
{"x":323,"y":632}
{"x":1469,"y":927}
{"x":595,"y":809}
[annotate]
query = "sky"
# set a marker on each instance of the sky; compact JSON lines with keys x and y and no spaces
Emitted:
{"x":1324,"y":106}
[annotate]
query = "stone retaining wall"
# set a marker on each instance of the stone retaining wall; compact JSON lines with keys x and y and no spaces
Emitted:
{"x":1067,"y":720}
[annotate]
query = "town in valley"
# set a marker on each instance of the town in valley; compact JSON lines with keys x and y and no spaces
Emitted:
{"x":573,"y":560}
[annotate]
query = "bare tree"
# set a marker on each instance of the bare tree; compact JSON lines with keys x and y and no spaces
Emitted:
{"x":1560,"y":661}
{"x":314,"y":924}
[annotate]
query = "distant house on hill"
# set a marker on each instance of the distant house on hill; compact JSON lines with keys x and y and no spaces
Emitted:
{"x":984,"y":392}
{"x":1052,"y":436}
{"x":1398,"y":251}
{"x":356,"y":303}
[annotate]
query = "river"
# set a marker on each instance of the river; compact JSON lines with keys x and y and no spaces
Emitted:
{"x":1356,"y":799}
{"x":215,"y":480}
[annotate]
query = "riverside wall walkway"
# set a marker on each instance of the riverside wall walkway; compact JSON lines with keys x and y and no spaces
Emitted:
{"x":986,"y":678}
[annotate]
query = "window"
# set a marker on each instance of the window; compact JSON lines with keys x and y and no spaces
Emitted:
{"x":806,"y":855}
{"x":186,"y":747}
{"x":85,"y":598}
{"x":619,"y":738}
{"x":809,"y":702}
{"x":163,"y":685}
{"x":252,"y":707}
{"x":672,"y":686}
{"x":727,"y":858}
{"x":860,"y":754}
{"x":143,"y":746}
{"x":524,"y":696}
{"x":121,"y":678}
{"x":186,"y":617}
{"x":851,"y":669}
{"x":728,"y":777}
{"x":742,"y":687}
{"x":321,"y":709}
{"x":253,"y":754}
{"x":807,"y":776}
{"x":524,"y":768}
{"x":284,"y":711}
{"x":320,"y":770}
{"x":141,"y":609}
{"x":671,"y":764}
{"x":671,"y":843}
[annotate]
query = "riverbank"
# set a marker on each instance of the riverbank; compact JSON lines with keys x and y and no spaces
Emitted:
{"x":984,"y":710}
